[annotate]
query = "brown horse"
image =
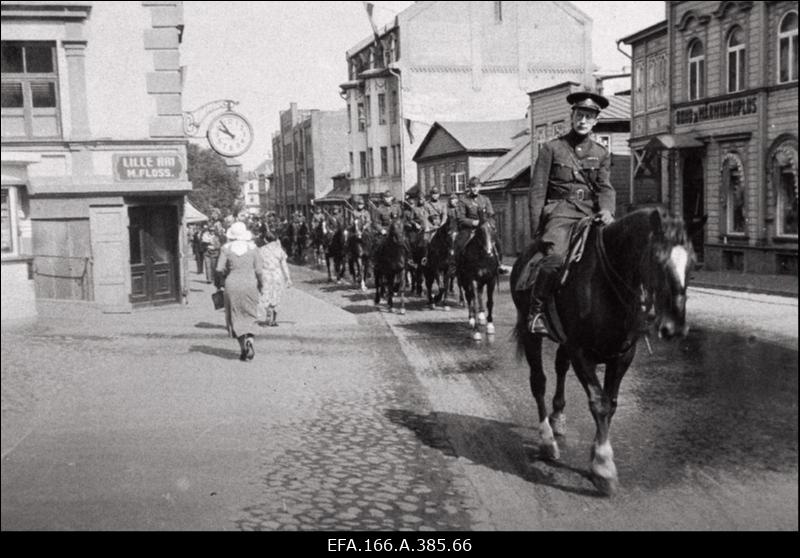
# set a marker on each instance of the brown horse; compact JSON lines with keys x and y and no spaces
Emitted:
{"x":439,"y":267}
{"x":359,"y":248}
{"x":637,"y":264}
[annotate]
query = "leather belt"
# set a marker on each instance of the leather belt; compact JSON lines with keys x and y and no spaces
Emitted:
{"x":579,"y":194}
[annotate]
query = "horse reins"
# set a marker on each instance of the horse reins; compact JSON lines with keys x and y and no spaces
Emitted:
{"x":612,"y":276}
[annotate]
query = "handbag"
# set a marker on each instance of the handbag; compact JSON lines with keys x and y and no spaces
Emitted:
{"x":218,"y":298}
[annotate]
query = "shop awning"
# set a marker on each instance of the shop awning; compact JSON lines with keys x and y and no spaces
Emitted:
{"x":193,"y":215}
{"x":673,"y":141}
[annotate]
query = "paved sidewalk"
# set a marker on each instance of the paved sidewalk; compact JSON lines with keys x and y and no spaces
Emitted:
{"x":779,"y":285}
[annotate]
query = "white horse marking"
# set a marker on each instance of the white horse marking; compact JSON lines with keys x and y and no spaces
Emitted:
{"x":680,"y":260}
{"x":546,"y":432}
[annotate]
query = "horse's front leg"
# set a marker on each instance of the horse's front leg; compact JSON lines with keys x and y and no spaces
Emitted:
{"x":557,"y":419}
{"x":490,"y":307}
{"x":402,"y":292}
{"x":604,"y":471}
{"x":538,"y":383}
{"x":328,"y":265}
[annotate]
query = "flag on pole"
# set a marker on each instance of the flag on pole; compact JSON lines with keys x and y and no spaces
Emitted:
{"x":370,"y":7}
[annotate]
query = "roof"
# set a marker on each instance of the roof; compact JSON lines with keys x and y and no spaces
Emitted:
{"x":492,"y":135}
{"x":619,"y":108}
{"x":654,"y":29}
{"x":673,"y":141}
{"x":339,"y":193}
{"x":510,"y":165}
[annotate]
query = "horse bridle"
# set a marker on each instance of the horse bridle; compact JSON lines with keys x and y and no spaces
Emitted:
{"x":613,"y":278}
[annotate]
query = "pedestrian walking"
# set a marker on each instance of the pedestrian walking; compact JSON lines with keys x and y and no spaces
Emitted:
{"x":240,"y":267}
{"x":275,"y":276}
{"x":211,"y":244}
{"x":198,"y":248}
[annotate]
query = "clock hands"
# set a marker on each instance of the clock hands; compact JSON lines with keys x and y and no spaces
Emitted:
{"x":224,"y":128}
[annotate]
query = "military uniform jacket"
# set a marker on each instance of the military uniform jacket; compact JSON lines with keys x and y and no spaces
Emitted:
{"x":437,"y":210}
{"x":385,"y":214}
{"x":335,"y":222}
{"x":364,"y":217}
{"x":417,"y":215}
{"x":571,"y":180}
{"x":469,"y":209}
{"x":317,"y":219}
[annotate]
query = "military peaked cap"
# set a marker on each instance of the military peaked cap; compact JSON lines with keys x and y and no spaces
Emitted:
{"x":587,"y":100}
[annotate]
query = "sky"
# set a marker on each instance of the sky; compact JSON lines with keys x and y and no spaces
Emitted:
{"x":266,"y":55}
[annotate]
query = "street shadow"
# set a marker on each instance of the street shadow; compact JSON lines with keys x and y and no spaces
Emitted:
{"x":360,"y":309}
{"x":497,"y":445}
{"x":214,"y":351}
{"x":208,"y":325}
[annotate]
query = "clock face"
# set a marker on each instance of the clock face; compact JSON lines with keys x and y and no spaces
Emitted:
{"x":230,"y":134}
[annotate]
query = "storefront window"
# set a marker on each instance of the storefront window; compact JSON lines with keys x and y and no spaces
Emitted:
{"x":8,"y":244}
{"x":787,"y":201}
{"x":784,"y":180}
{"x":734,"y":187}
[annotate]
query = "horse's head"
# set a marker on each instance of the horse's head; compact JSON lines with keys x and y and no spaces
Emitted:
{"x":485,"y":233}
{"x":666,"y":273}
{"x":397,"y":231}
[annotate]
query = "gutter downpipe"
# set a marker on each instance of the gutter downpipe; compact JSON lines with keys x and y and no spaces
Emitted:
{"x":400,"y":125}
{"x":633,"y":166}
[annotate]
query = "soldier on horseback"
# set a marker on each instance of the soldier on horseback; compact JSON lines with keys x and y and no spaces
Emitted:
{"x":468,"y":217}
{"x":570,"y":182}
{"x":387,"y":212}
{"x":437,"y":209}
{"x":361,"y":214}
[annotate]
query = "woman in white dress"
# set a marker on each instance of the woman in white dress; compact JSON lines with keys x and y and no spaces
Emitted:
{"x":275,"y":276}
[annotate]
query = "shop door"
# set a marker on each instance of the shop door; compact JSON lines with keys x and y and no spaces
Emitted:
{"x":153,"y":234}
{"x":693,"y":203}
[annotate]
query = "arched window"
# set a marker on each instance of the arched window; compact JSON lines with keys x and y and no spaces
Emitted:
{"x":697,"y":70}
{"x":783,"y":175}
{"x":736,"y":60}
{"x":787,"y":48}
{"x":733,"y":195}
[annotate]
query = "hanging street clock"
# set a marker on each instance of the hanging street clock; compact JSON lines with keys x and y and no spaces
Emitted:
{"x":230,"y":134}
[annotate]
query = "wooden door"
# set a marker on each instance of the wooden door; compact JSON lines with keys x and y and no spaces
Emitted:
{"x":153,"y":237}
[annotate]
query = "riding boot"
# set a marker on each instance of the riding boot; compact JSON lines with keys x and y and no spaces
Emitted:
{"x":274,"y":322}
{"x":539,"y":295}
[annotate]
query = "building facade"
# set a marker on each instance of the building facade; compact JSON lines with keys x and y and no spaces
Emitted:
{"x":93,"y":155}
{"x":452,"y":152}
{"x":451,"y":61}
{"x":725,"y":140}
{"x":309,"y":149}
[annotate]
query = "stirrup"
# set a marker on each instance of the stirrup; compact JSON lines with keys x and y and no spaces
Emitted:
{"x":537,"y":326}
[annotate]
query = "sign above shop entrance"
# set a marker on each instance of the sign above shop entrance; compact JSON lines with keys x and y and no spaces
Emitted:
{"x":147,"y":166}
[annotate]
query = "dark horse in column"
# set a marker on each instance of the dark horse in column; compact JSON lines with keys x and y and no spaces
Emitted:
{"x":477,"y":269}
{"x":335,"y":250}
{"x":389,"y":266}
{"x":636,"y":265}
{"x":439,"y":267}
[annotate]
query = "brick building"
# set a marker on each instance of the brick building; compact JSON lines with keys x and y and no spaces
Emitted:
{"x":309,"y":149}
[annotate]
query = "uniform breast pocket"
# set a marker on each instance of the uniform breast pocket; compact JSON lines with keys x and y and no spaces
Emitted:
{"x":562,"y":171}
{"x":591,"y":171}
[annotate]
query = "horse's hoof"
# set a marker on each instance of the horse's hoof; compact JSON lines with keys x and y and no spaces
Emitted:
{"x":606,"y":486}
{"x":481,"y":318}
{"x":402,"y":311}
{"x":476,"y":336}
{"x":558,"y":424}
{"x":446,"y":308}
{"x":550,"y":452}
{"x":472,"y":323}
{"x":490,"y":329}
{"x":432,"y":307}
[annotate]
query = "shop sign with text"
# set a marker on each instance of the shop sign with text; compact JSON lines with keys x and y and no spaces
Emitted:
{"x":147,"y":166}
